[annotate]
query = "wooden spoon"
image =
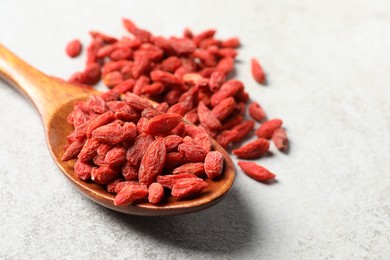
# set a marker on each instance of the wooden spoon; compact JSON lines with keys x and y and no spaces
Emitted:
{"x":54,"y":100}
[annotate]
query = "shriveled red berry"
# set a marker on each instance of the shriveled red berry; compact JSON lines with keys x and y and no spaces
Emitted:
{"x":256,"y":111}
{"x":253,"y":150}
{"x":257,"y":71}
{"x":188,"y":187}
{"x":156,"y":193}
{"x":152,"y":162}
{"x":279,"y":137}
{"x":130,"y":193}
{"x":267,"y":128}
{"x":73,"y":48}
{"x":213,"y":164}
{"x":256,"y":171}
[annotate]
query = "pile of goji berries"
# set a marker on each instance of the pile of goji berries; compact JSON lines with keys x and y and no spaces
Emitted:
{"x":137,"y":149}
{"x":190,"y":77}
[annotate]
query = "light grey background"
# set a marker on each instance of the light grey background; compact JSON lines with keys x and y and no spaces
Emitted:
{"x":328,"y":66}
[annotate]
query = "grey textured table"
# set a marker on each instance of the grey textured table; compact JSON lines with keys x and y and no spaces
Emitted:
{"x":328,"y":64}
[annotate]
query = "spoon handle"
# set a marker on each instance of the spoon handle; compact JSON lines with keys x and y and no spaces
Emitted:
{"x":46,"y":93}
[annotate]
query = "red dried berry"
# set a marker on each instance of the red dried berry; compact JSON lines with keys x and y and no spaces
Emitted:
{"x":188,"y":187}
{"x":233,"y":42}
{"x":230,"y":122}
{"x":130,"y":172}
{"x":207,"y":118}
{"x":279,"y":137}
{"x":173,"y":159}
{"x":256,"y":171}
{"x":152,"y":162}
{"x":101,"y":120}
{"x":172,"y":141}
{"x":169,"y":180}
{"x":252,"y":150}
{"x":165,"y":77}
{"x":257,"y":71}
{"x":122,"y":53}
{"x":82,"y":170}
{"x":156,"y":193}
{"x":228,"y":89}
{"x":73,"y":150}
{"x":243,"y":129}
{"x":224,"y":108}
{"x":256,"y":111}
{"x":116,"y":156}
{"x":267,"y":128}
{"x":193,"y":153}
{"x":136,"y":102}
{"x":183,"y":46}
{"x":130,"y":193}
{"x":162,"y":124}
{"x":190,"y":168}
{"x":112,"y":79}
{"x":104,"y":174}
{"x":213,"y":164}
{"x":89,"y":150}
{"x":73,"y":48}
{"x":217,"y":78}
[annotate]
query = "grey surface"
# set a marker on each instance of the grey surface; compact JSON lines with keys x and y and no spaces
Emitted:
{"x":328,"y":65}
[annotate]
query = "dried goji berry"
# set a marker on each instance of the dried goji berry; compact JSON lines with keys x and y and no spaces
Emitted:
{"x":73,"y":150}
{"x":233,"y":42}
{"x":111,"y":133}
{"x":170,"y":64}
{"x":152,"y":162}
{"x":228,"y":89}
{"x":193,"y":153}
{"x":73,"y":48}
{"x":267,"y":128}
{"x":191,"y":168}
{"x":112,"y":185}
{"x":113,"y":78}
{"x":130,"y":193}
{"x":169,"y":180}
{"x":253,"y":150}
{"x":154,"y":89}
{"x":173,"y":159}
{"x":256,"y":111}
{"x":188,"y":187}
{"x":279,"y":137}
{"x":116,"y":156}
{"x":256,"y":171}
{"x":172,"y":141}
{"x":136,"y":102}
{"x":230,"y":122}
{"x":243,"y":129}
{"x":89,"y":150}
{"x":82,"y":170}
{"x":213,"y":164}
{"x":121,"y":54}
{"x":224,"y":108}
{"x":104,"y":174}
{"x":207,"y":118}
{"x":183,"y":46}
{"x":156,"y":193}
{"x":257,"y":71}
{"x":217,"y":78}
{"x":130,"y":172}
{"x":162,"y":124}
{"x":103,"y":119}
{"x":91,"y":74}
{"x":165,"y":77}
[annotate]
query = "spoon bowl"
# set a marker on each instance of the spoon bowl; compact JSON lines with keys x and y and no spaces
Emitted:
{"x":55,"y":99}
